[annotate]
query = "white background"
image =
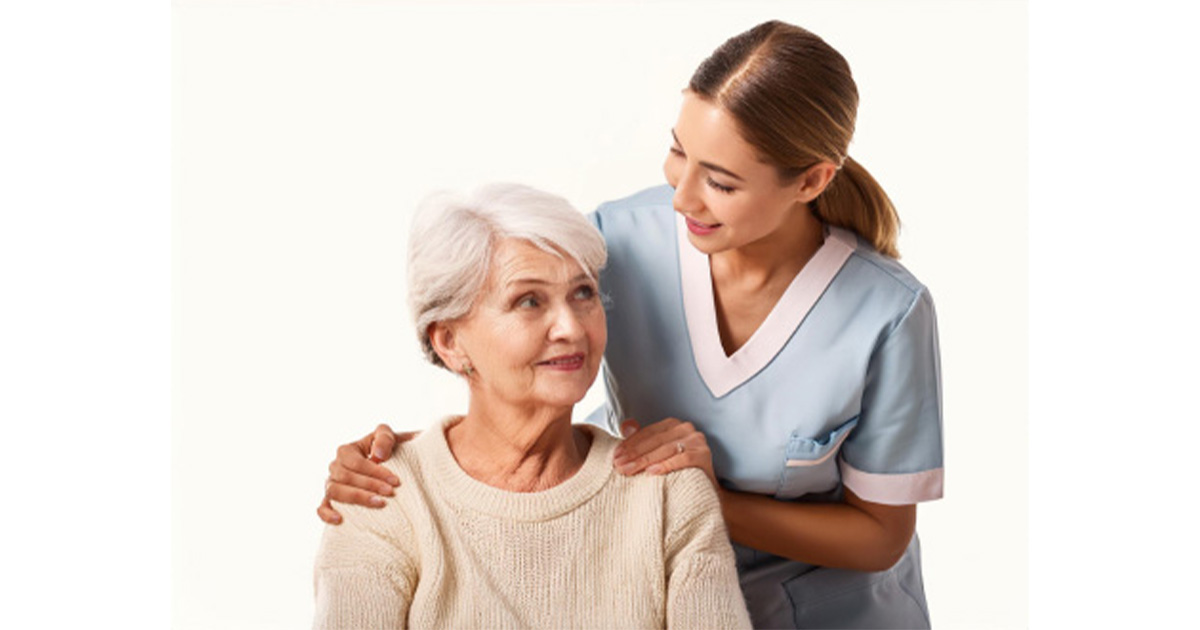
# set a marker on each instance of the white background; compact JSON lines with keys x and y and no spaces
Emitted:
{"x":305,"y":135}
{"x":95,"y":475}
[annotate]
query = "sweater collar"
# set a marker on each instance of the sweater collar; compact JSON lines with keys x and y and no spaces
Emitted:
{"x":455,"y":486}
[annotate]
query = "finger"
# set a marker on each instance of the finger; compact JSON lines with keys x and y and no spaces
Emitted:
{"x":675,"y":462}
{"x":691,"y":451}
{"x":672,"y":447}
{"x":338,"y":474}
{"x":383,"y":443}
{"x":351,"y":458}
{"x":636,"y":441}
{"x":349,"y":494}
{"x":679,"y":461}
{"x":628,"y":428}
{"x":653,"y":437}
{"x":327,"y":513}
{"x":659,"y":455}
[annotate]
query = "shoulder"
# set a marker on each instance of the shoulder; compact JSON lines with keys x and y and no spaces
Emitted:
{"x":648,"y":208}
{"x":882,"y":270}
{"x":881,"y":281}
{"x":690,"y":495}
{"x":690,"y":483}
{"x":653,"y":197}
{"x":410,"y":463}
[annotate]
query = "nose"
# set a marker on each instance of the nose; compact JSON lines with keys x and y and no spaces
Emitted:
{"x":565,"y":324}
{"x":687,"y":199}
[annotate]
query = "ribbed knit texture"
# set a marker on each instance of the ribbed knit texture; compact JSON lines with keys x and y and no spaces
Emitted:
{"x":599,"y":550}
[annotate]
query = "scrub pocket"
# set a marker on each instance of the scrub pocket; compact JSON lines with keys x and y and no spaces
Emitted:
{"x":810,"y":464}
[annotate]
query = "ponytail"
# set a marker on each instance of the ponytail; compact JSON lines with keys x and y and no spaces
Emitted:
{"x":855,"y":201}
{"x":795,"y":101}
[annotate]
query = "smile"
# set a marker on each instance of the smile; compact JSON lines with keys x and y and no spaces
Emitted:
{"x":566,"y":362}
{"x":701,"y":229}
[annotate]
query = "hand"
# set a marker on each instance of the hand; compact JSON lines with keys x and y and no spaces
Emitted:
{"x":667,"y":445}
{"x":355,"y":479}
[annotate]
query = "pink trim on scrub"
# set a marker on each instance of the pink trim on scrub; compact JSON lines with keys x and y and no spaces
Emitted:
{"x":897,"y":489}
{"x":721,"y":373}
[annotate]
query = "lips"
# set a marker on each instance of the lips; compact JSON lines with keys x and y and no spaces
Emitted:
{"x":566,"y":362}
{"x":696,"y":227}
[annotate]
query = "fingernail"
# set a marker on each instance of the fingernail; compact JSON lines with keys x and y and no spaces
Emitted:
{"x":626,"y":468}
{"x":618,"y":460}
{"x":337,"y":519}
{"x":654,"y":470}
{"x":379,"y":454}
{"x":627,"y":431}
{"x":376,"y":500}
{"x":395,"y":481}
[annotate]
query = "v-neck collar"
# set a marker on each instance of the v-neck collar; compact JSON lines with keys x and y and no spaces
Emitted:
{"x":721,"y":373}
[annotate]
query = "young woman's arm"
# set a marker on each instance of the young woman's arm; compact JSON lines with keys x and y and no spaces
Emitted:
{"x":854,"y":534}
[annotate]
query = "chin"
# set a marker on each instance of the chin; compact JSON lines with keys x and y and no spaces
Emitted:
{"x":564,"y":397}
{"x":706,"y":245}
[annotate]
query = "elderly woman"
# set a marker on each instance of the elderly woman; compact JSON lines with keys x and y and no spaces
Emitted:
{"x":510,"y":516}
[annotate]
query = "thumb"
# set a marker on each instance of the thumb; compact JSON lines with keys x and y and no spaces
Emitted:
{"x":383,"y":444}
{"x":629,"y":427}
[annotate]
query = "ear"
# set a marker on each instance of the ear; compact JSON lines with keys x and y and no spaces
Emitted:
{"x":812,"y":182}
{"x":445,"y":343}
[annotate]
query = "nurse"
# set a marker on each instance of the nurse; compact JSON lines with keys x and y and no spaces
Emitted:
{"x":762,"y":329}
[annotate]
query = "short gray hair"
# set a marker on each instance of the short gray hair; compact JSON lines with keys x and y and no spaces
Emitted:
{"x":453,"y":236}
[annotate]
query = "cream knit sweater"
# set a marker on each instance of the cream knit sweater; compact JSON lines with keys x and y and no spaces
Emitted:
{"x":599,"y":550}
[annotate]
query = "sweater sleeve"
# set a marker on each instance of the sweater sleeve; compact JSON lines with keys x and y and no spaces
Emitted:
{"x":702,"y":581}
{"x":366,"y":569}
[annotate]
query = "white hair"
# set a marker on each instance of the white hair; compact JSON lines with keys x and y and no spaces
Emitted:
{"x":453,"y":236}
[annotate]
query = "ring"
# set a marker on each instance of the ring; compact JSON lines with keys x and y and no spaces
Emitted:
{"x":679,"y":447}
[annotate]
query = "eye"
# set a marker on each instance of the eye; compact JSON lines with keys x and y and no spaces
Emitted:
{"x":725,"y":189}
{"x":528,"y":301}
{"x":585,"y":292}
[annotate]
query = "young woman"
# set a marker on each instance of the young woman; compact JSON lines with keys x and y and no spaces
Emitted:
{"x":760,"y":322}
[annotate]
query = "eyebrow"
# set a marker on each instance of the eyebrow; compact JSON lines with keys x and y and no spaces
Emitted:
{"x":709,"y":165}
{"x":578,"y":278}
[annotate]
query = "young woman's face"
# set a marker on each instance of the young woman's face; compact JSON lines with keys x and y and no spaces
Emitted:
{"x":729,"y":197}
{"x":537,"y":332}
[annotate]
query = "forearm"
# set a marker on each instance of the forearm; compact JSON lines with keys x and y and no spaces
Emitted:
{"x":838,"y":535}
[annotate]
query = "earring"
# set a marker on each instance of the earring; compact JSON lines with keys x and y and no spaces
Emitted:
{"x":468,"y":370}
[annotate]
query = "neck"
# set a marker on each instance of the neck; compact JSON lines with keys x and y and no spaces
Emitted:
{"x":517,"y":449}
{"x":779,"y":255}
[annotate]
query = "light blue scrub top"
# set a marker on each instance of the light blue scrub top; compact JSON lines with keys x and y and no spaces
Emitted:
{"x":840,"y":386}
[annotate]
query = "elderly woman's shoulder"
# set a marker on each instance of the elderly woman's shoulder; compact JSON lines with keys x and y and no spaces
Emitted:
{"x":691,"y":485}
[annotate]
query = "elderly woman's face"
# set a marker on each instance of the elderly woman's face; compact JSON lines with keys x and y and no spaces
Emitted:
{"x":537,"y":332}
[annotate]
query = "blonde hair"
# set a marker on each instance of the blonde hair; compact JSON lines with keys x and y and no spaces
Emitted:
{"x":453,"y":236}
{"x":794,"y":100}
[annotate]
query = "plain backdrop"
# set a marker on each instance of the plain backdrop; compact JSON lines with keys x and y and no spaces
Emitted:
{"x":304,"y":134}
{"x":95,"y":471}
